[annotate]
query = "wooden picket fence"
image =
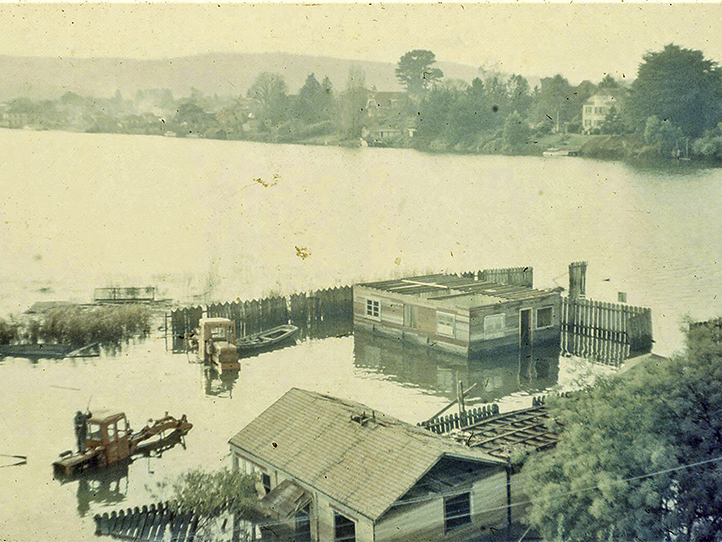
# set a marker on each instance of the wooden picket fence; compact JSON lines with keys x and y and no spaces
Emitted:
{"x":604,"y":332}
{"x":148,"y":524}
{"x":317,"y":314}
{"x":450,"y":422}
{"x":513,"y":276}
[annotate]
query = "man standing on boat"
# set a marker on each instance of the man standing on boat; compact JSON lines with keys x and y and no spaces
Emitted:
{"x":81,"y":429}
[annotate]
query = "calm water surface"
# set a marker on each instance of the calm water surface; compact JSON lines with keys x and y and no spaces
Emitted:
{"x":189,"y":217}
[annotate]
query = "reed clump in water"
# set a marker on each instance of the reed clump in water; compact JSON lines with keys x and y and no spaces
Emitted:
{"x":106,"y":325}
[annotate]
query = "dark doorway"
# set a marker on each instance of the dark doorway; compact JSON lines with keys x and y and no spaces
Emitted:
{"x":303,"y":524}
{"x":525,"y":330}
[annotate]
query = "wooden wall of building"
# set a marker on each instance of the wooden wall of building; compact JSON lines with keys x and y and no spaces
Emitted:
{"x":511,"y":311}
{"x":425,"y":520}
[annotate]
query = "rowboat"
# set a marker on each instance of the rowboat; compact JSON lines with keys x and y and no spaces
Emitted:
{"x":265,"y":339}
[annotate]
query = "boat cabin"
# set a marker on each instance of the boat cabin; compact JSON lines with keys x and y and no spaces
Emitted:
{"x":462,"y":315}
{"x":109,"y":430}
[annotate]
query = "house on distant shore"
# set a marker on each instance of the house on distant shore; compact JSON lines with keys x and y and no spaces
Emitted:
{"x":381,"y":104}
{"x":457,"y":314}
{"x":598,"y":106}
{"x":336,"y":470}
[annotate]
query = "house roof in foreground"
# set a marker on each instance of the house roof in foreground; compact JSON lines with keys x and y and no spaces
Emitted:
{"x":361,"y":458}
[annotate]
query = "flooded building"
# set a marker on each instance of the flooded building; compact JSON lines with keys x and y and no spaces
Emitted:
{"x":458,"y":314}
{"x":339,"y":471}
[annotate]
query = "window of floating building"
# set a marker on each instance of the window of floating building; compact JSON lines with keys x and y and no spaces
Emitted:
{"x":494,"y":325}
{"x":544,"y":317}
{"x":373,"y":308}
{"x":445,"y":324}
{"x":344,"y":528}
{"x":457,"y":511}
{"x":410,"y":317}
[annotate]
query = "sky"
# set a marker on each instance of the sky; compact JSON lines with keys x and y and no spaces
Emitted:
{"x":579,"y":40}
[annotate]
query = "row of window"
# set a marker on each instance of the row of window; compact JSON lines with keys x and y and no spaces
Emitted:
{"x":494,"y":325}
{"x":589,"y":110}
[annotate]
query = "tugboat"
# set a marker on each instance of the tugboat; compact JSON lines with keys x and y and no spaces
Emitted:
{"x":105,"y":438}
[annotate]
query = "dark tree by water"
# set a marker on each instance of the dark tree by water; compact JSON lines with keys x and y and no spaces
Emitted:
{"x":555,"y":102}
{"x":415,"y":72}
{"x":640,"y":454}
{"x":269,"y":89}
{"x":678,"y":85}
{"x":314,"y":101}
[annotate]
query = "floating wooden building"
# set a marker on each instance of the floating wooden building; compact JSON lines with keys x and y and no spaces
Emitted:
{"x":340,"y":471}
{"x":458,"y":314}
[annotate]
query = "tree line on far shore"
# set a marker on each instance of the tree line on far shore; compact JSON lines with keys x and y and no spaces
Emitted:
{"x":674,"y":104}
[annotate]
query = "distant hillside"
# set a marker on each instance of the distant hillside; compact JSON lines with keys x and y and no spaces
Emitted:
{"x":213,"y":73}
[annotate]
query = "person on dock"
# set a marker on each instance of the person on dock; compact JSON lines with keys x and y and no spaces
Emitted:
{"x":81,"y":429}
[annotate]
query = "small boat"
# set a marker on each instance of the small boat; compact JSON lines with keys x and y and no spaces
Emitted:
{"x":561,"y":152}
{"x":34,"y":351}
{"x":265,"y":339}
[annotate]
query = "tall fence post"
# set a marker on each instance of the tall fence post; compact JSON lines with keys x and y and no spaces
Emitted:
{"x":577,"y":280}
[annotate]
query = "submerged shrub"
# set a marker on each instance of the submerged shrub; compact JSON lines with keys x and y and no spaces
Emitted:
{"x":107,"y":325}
{"x":8,"y":331}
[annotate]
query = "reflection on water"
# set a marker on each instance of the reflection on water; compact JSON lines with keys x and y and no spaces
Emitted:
{"x":496,"y":374}
{"x":107,"y":487}
{"x":219,"y":384}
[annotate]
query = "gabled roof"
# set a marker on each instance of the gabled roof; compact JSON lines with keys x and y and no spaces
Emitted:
{"x":363,"y":459}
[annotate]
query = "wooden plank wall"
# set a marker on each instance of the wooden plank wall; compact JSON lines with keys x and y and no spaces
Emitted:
{"x":604,"y":332}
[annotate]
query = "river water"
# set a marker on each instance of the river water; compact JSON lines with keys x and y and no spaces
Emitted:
{"x":222,"y":220}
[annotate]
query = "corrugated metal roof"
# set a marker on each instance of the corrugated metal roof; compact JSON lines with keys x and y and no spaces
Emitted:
{"x":363,"y":459}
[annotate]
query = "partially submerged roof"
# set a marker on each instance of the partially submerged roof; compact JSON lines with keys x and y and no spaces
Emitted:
{"x":463,"y":291}
{"x":503,"y":434}
{"x":363,"y":459}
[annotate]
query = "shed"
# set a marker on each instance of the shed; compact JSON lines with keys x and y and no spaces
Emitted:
{"x":458,"y":314}
{"x":340,"y":471}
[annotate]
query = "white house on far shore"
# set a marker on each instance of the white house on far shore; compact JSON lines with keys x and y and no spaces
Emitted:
{"x":596,"y":108}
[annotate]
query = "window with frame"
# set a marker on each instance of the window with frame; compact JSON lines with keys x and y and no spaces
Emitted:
{"x":494,"y":325}
{"x":445,"y":324}
{"x":373,"y":308}
{"x":544,"y":317}
{"x":457,"y":511}
{"x":344,"y":528}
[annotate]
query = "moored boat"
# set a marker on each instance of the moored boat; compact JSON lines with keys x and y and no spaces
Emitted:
{"x":561,"y":152}
{"x":265,"y":339}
